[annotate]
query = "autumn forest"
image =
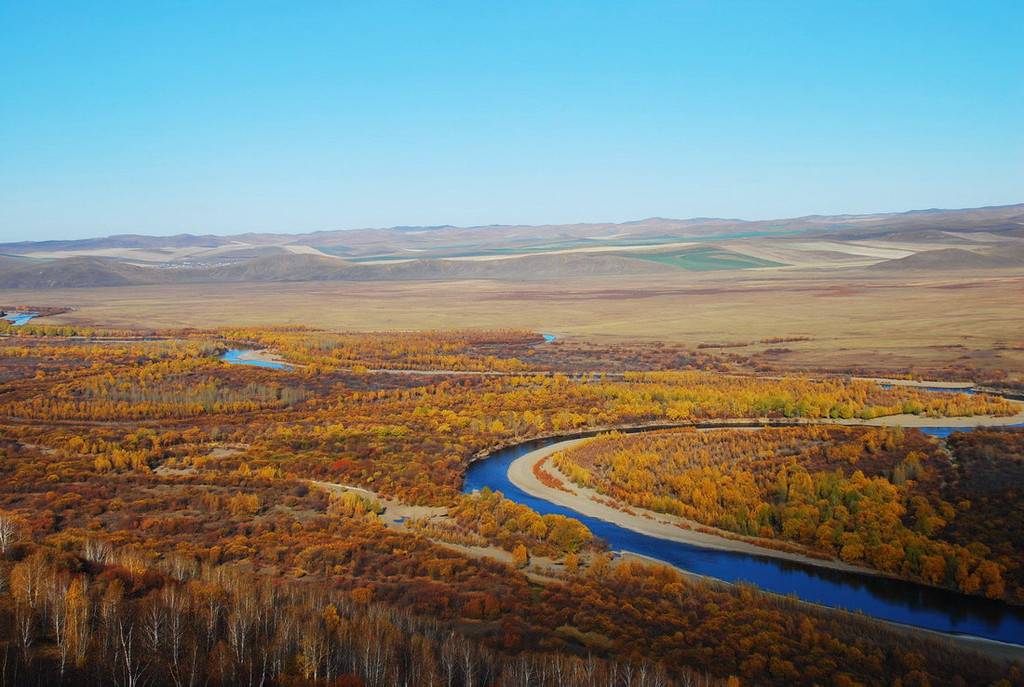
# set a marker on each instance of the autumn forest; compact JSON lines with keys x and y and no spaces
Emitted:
{"x":170,"y":519}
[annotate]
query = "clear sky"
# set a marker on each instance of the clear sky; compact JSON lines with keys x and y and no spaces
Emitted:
{"x":151,"y":117}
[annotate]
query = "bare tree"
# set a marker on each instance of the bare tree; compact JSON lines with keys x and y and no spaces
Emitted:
{"x":450,"y":660}
{"x":28,"y":580}
{"x":77,"y":628}
{"x":97,"y":551}
{"x":314,"y":648}
{"x":175,"y":606}
{"x":56,"y":600}
{"x":132,"y":666}
{"x":154,"y":622}
{"x":25,"y":628}
{"x":9,"y":531}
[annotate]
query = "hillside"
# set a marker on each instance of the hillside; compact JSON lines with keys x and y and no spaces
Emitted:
{"x":84,"y":272}
{"x":935,"y":240}
{"x":954,"y":259}
{"x":73,"y":273}
{"x":449,"y":241}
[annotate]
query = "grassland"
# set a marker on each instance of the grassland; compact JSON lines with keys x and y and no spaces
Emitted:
{"x":788,"y":319}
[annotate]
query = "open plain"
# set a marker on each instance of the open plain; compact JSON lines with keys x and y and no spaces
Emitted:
{"x":791,"y":319}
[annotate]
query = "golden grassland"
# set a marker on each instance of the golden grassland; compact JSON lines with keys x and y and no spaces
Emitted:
{"x":956,"y":320}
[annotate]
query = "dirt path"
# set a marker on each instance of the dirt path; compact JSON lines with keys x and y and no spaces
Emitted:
{"x":395,"y":512}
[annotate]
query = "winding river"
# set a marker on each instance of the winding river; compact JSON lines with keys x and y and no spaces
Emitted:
{"x":884,"y":598}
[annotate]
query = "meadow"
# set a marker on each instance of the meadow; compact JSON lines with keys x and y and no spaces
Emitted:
{"x":952,"y":325}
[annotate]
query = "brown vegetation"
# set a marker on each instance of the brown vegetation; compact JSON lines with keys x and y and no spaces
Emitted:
{"x":876,"y":497}
{"x":159,"y":523}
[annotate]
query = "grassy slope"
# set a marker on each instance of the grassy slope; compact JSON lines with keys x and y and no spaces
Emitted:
{"x":707,"y":259}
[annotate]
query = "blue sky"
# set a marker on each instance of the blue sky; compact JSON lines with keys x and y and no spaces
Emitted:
{"x":152,"y":117}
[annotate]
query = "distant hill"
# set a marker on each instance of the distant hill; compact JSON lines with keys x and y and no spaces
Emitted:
{"x":1005,"y":219}
{"x":96,"y":272}
{"x":72,"y":273}
{"x":953,"y":259}
{"x":974,"y":238}
{"x":118,"y":241}
{"x":449,"y":241}
{"x":317,"y":268}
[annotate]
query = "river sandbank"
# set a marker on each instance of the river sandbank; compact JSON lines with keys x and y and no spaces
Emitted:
{"x":660,"y":525}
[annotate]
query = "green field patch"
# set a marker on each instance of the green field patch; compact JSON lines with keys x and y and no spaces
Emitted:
{"x":706,"y":259}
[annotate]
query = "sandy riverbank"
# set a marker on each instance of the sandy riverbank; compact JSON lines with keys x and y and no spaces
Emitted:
{"x":521,"y":474}
{"x":659,"y":525}
{"x":264,"y":356}
{"x":670,"y":527}
{"x":907,"y":420}
{"x":917,"y":383}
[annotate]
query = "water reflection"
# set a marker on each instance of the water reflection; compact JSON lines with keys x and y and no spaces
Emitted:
{"x":236,"y":356}
{"x":888,"y":599}
{"x":17,"y":319}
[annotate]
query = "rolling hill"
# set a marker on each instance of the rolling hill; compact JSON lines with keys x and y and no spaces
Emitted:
{"x":82,"y":272}
{"x":954,"y":259}
{"x":922,"y":240}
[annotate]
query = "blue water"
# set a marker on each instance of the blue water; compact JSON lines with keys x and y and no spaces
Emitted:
{"x":938,"y":389}
{"x":548,"y":338}
{"x":893,"y":600}
{"x":233,"y":358}
{"x":943,"y":432}
{"x":19,"y":318}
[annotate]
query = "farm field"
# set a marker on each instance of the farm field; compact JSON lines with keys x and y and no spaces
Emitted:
{"x":708,"y":260}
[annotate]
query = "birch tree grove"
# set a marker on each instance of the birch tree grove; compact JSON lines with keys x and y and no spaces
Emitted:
{"x":224,"y":627}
